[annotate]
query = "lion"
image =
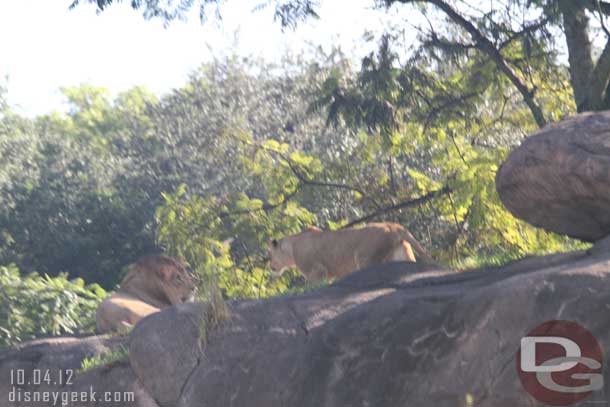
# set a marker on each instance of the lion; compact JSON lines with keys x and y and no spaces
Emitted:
{"x":322,"y":255}
{"x":151,"y":283}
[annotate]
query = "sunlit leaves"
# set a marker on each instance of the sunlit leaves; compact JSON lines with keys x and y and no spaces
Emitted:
{"x":453,"y":121}
{"x":194,"y":228}
{"x":34,"y":305}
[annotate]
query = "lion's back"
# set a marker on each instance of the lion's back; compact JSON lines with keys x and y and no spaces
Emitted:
{"x":337,"y":253}
{"x":121,"y":310}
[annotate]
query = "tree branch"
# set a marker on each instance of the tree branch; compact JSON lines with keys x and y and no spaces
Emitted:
{"x":486,"y":46}
{"x":447,"y":45}
{"x":304,"y":180}
{"x":452,"y":101}
{"x":524,"y":31}
{"x":405,"y":204}
{"x":299,"y":175}
{"x":596,"y":5}
{"x":266,"y":207}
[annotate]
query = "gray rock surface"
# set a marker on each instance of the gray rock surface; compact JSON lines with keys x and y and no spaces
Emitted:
{"x":559,"y":178}
{"x":59,"y":360}
{"x":398,"y":334}
{"x":170,"y":344}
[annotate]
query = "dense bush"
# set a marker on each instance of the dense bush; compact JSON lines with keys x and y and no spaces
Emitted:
{"x":32,"y":306}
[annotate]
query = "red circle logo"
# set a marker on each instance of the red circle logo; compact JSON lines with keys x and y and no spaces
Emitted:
{"x":559,"y":363}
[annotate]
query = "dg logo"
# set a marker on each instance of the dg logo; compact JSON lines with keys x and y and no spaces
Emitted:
{"x":560,"y":363}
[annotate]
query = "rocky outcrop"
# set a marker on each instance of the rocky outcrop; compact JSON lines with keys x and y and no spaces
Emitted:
{"x":398,"y":334}
{"x":559,"y":178}
{"x":52,"y":366}
{"x":172,"y":343}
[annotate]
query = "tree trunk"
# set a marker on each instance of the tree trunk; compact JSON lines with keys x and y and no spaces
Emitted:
{"x":576,"y":28}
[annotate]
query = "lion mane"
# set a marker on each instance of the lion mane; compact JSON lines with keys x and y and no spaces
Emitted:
{"x":152,"y":283}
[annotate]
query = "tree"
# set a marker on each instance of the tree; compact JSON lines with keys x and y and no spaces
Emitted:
{"x":255,"y":150}
{"x":64,"y":204}
{"x":288,"y":12}
{"x":425,"y":133}
{"x":80,"y":190}
{"x":518,"y":37}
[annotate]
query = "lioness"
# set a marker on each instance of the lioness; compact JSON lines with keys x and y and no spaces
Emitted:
{"x":152,"y":283}
{"x":319,"y":255}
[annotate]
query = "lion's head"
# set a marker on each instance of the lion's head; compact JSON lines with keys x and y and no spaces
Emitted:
{"x":159,"y":280}
{"x":281,"y":251}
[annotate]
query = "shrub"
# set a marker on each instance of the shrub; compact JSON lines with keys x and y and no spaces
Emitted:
{"x":113,"y":357}
{"x":35,"y":306}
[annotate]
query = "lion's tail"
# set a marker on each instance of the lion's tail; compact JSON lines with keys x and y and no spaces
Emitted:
{"x":419,"y":250}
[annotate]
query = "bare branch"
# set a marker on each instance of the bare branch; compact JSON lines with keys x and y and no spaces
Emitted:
{"x":597,"y":5}
{"x":447,"y":104}
{"x":448,"y":45}
{"x":486,"y":46}
{"x":264,"y":208}
{"x":528,"y":29}
{"x":303,"y":178}
{"x":401,"y":205}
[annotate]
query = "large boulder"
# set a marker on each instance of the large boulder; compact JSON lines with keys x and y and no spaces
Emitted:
{"x":559,"y":178}
{"x":172,"y":344}
{"x":53,"y":366}
{"x":400,"y":334}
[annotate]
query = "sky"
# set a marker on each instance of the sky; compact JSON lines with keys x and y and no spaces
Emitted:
{"x":45,"y":46}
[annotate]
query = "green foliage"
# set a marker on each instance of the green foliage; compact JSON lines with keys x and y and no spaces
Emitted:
{"x":71,"y":200}
{"x":268,"y":149}
{"x":287,"y":12}
{"x":451,"y":122}
{"x":110,"y":358}
{"x":79,"y":190}
{"x":34,"y":306}
{"x":306,"y":287}
{"x":89,"y":191}
{"x":194,"y":228}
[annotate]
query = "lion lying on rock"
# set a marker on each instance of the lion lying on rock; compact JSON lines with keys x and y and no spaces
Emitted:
{"x":321,"y":255}
{"x":152,"y":283}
